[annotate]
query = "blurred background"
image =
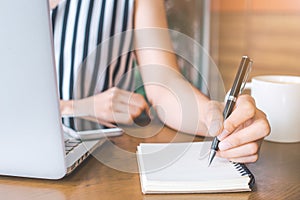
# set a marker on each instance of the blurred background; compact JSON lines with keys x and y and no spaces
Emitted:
{"x":267,"y":31}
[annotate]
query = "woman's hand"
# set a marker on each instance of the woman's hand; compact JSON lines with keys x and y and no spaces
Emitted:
{"x":242,"y":132}
{"x":109,"y":107}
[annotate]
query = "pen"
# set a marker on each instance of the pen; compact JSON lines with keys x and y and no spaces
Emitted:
{"x":236,"y":89}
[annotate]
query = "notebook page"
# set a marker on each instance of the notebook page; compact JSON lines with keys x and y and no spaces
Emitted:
{"x":182,"y":162}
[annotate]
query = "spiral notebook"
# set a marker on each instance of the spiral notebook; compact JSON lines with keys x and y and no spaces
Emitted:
{"x":183,"y":168}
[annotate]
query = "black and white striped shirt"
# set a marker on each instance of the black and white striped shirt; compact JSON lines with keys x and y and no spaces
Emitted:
{"x":91,"y":53}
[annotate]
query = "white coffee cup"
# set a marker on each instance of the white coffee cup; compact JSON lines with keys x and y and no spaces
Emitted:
{"x":279,"y":97}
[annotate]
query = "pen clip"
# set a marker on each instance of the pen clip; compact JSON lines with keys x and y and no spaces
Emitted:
{"x":246,"y":76}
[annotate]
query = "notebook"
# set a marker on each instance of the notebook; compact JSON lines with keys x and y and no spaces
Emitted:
{"x":183,"y":168}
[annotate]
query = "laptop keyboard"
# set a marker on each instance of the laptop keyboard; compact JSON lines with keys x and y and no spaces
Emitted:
{"x":71,"y":144}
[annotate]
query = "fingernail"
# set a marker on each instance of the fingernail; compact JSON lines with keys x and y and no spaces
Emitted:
{"x":223,"y":134}
{"x":223,"y":145}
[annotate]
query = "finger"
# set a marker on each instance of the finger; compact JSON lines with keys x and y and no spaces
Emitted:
{"x":214,"y":117}
{"x":120,"y":107}
{"x":258,"y":129}
{"x":120,"y":113}
{"x":139,"y":102}
{"x":244,"y":110}
{"x":120,"y":96}
{"x":130,"y":98}
{"x":132,"y":110}
{"x":241,"y":151}
{"x":135,"y":111}
{"x":123,"y":96}
{"x":225,"y":133}
{"x":122,"y":118}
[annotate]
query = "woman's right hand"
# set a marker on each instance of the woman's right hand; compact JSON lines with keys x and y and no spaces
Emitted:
{"x":111,"y":106}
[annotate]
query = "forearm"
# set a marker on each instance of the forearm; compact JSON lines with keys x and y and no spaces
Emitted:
{"x":81,"y":107}
{"x":177,"y":102}
{"x":179,"y":105}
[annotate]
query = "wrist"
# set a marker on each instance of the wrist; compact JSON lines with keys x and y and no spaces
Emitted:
{"x":67,"y":107}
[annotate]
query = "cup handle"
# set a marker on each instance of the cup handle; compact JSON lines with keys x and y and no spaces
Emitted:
{"x":248,"y":86}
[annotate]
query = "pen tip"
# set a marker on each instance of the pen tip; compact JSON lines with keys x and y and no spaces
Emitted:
{"x":211,"y":157}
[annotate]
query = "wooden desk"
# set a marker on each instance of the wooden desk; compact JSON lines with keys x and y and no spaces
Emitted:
{"x":277,"y":173}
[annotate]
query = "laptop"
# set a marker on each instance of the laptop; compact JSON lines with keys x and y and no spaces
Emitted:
{"x":32,"y":141}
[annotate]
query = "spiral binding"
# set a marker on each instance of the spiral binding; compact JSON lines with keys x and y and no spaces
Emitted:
{"x":244,"y":171}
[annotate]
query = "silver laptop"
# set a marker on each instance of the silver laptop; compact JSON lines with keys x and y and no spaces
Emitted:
{"x":32,"y":142}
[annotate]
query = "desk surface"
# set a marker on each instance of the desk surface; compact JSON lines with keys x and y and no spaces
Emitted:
{"x":277,"y":173}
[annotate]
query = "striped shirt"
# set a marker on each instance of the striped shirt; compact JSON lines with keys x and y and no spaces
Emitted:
{"x":93,"y":43}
